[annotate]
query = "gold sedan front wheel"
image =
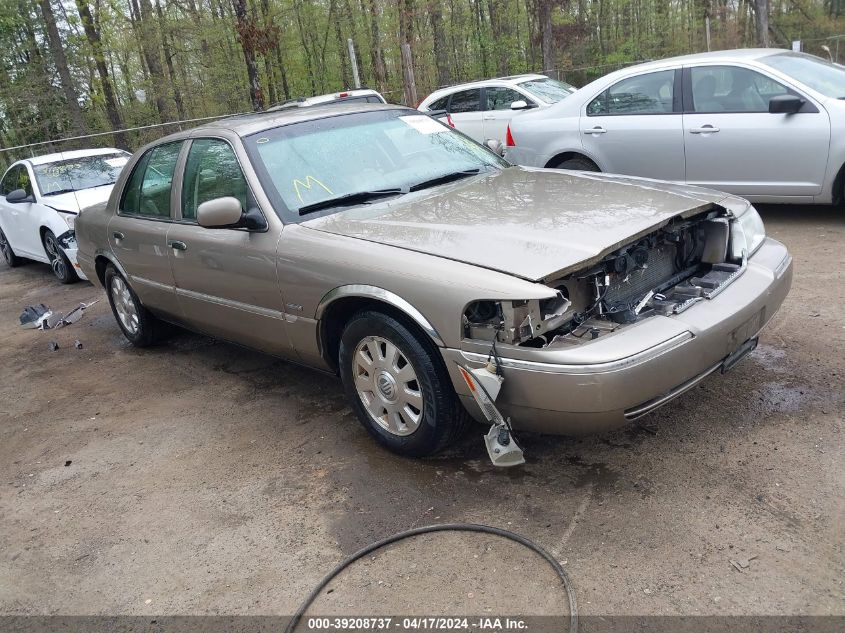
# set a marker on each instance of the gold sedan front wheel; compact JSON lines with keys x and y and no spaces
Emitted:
{"x":398,"y":385}
{"x":387,"y":385}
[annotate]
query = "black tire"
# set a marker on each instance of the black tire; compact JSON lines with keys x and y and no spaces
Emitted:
{"x":149,"y":329}
{"x":577,"y":163}
{"x":443,"y":418}
{"x":62,"y":268}
{"x":9,"y":256}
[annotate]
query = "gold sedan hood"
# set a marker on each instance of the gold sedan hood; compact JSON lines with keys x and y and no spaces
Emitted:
{"x":531,"y":223}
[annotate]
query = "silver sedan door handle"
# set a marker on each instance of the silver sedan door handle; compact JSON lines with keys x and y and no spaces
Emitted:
{"x":706,"y":129}
{"x":490,"y":118}
{"x":177,"y":245}
{"x":596,"y":130}
{"x":118,"y":235}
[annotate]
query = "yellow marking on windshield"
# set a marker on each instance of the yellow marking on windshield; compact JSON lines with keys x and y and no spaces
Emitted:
{"x":309,"y":180}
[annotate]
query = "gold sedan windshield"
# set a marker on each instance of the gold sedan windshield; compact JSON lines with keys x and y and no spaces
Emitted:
{"x":358,"y":157}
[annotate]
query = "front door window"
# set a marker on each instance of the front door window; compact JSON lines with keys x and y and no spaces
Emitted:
{"x":732,"y":89}
{"x":211,"y":171}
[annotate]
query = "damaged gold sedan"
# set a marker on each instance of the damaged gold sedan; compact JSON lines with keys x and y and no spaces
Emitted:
{"x":438,"y":281}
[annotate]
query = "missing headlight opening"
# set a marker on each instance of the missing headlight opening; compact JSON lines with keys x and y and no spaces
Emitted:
{"x":664,"y":272}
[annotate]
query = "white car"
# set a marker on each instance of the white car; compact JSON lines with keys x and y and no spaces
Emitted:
{"x":764,"y":124}
{"x":40,"y":199}
{"x":483,"y":109}
{"x":359,"y":95}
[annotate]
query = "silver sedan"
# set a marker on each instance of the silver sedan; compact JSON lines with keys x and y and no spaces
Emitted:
{"x":765,"y":124}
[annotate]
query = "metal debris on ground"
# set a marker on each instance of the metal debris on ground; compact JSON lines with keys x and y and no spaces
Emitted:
{"x":41,"y":317}
{"x":742,"y":564}
{"x":53,"y":346}
{"x":73,"y":316}
{"x":33,"y":316}
{"x":77,"y":344}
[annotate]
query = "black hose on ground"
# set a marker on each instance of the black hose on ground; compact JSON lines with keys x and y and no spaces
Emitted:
{"x":446,"y":527}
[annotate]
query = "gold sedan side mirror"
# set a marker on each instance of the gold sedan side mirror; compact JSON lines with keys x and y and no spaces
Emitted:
{"x":219,"y":213}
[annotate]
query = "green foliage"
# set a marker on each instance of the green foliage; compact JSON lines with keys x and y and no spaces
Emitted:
{"x":299,"y":48}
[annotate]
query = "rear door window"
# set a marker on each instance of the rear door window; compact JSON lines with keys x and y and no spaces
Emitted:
{"x":147,"y":192}
{"x":465,"y":101}
{"x":650,"y":93}
{"x":440,"y":104}
{"x":500,"y":98}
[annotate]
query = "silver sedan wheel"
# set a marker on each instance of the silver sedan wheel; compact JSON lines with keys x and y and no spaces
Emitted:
{"x":124,"y":305}
{"x":387,"y":385}
{"x":54,"y":254}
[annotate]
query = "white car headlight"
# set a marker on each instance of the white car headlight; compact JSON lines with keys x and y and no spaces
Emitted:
{"x":70,"y":219}
{"x":747,"y":233}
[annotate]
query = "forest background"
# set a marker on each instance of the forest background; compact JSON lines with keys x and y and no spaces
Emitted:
{"x":76,"y":67}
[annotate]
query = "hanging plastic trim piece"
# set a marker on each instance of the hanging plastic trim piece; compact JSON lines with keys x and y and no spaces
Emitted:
{"x":501,"y":445}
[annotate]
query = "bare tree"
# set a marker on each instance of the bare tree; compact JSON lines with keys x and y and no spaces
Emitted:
{"x":167,"y":50}
{"x":441,"y":53}
{"x":268,"y":62}
{"x":544,"y":22}
{"x":55,"y":42}
{"x":406,"y":36}
{"x":246,"y":32}
{"x":761,"y":21}
{"x":92,"y":34}
{"x":150,"y":47}
{"x":376,"y":50}
{"x":497,"y":9}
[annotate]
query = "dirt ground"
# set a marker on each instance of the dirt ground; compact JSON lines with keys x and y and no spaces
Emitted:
{"x":201,"y":478}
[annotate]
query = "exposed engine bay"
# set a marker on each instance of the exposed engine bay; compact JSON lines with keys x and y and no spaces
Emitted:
{"x":664,"y":272}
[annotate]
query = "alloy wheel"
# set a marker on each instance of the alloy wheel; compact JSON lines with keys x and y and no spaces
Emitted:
{"x":387,"y":385}
{"x":6,"y":248}
{"x":54,"y":254}
{"x":124,"y":305}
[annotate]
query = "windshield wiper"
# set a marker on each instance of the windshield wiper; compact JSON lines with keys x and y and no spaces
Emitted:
{"x":59,"y":192}
{"x":439,"y":180}
{"x":349,"y":199}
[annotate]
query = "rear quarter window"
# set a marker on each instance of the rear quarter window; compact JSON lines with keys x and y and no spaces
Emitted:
{"x":440,"y":104}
